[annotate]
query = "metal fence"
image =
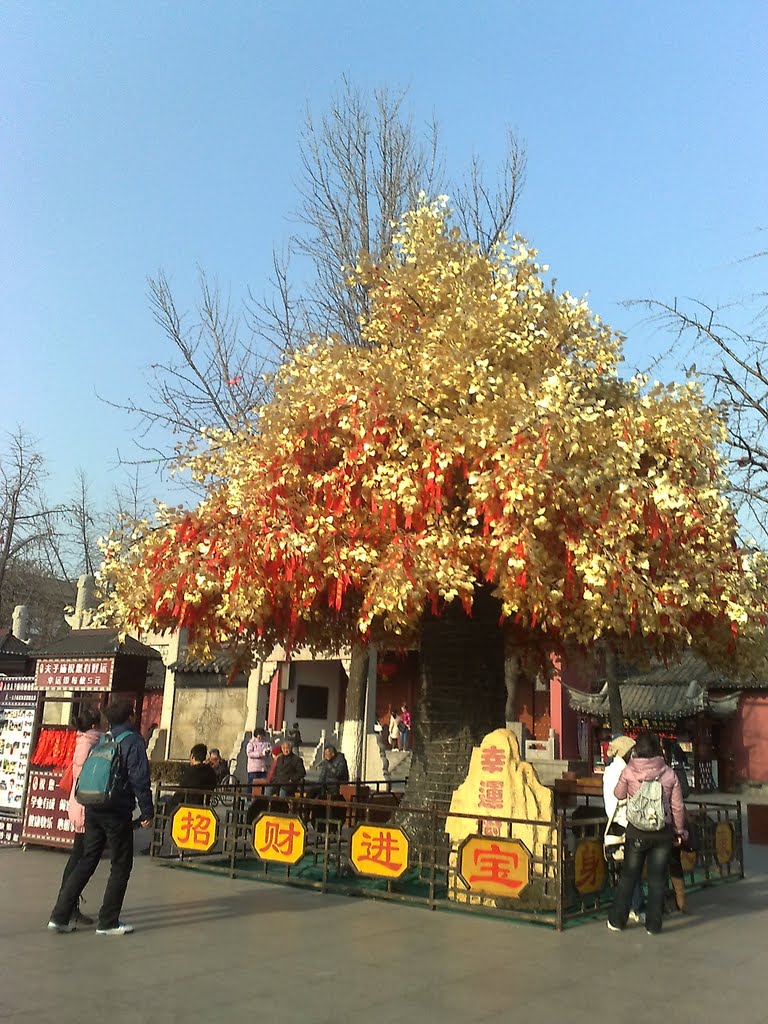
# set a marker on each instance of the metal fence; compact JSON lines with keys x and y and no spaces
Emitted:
{"x":373,"y":844}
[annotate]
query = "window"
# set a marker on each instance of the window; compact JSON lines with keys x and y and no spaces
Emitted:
{"x":312,"y":702}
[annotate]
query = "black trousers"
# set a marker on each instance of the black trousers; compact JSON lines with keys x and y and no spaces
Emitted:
{"x":643,"y":848}
{"x":75,"y":856}
{"x":102,"y":829}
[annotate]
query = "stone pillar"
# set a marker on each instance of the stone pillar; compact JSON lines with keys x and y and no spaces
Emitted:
{"x":20,"y":627}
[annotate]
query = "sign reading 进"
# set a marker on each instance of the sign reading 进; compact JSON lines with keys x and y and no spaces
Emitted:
{"x":74,"y":674}
{"x":496,"y":867}
{"x":590,"y":870}
{"x":194,"y":828}
{"x":377,"y":851}
{"x":279,"y":837}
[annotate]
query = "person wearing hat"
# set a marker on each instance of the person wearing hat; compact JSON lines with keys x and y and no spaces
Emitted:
{"x":619,"y":750}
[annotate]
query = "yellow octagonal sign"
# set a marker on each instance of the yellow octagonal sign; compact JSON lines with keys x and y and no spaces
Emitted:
{"x":279,"y":837}
{"x":590,"y":872}
{"x":496,"y":867}
{"x":194,"y":828}
{"x":379,"y":851}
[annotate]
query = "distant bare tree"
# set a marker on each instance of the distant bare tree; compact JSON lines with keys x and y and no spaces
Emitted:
{"x":733,"y":363}
{"x":28,"y":523}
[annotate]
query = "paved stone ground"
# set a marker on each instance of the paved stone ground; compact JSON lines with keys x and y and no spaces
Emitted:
{"x":211,"y":950}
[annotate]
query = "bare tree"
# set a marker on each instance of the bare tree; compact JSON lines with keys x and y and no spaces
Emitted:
{"x":28,"y":523}
{"x":733,"y":364}
{"x":364,"y":161}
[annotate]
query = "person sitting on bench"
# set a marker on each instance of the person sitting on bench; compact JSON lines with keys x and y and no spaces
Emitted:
{"x":287,"y":772}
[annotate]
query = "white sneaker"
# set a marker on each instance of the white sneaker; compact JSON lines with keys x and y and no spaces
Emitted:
{"x":612,"y":927}
{"x":123,"y":928}
{"x":70,"y":926}
{"x":636,"y":918}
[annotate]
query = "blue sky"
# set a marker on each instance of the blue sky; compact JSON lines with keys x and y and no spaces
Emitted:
{"x":165,"y":135}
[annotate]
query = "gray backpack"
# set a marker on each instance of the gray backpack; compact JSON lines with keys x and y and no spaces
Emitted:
{"x":645,"y":810}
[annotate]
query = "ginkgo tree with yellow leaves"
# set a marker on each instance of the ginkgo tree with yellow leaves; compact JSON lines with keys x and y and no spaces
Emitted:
{"x":477,"y":469}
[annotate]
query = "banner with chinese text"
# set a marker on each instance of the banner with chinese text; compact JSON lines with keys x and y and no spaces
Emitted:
{"x":74,"y":673}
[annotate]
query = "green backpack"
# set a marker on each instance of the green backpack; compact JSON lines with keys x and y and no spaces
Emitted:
{"x":102,"y":776}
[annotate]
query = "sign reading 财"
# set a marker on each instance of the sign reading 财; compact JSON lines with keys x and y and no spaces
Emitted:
{"x":194,"y":828}
{"x":279,"y":837}
{"x":74,"y":674}
{"x":379,"y":851}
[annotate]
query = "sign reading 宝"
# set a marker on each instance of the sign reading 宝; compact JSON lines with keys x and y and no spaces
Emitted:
{"x":194,"y":828}
{"x":380,"y":852}
{"x":75,"y":674}
{"x":590,"y":870}
{"x":494,"y":867}
{"x":279,"y":837}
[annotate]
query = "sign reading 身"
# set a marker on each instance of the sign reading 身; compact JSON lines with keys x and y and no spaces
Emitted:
{"x":45,"y":815}
{"x":74,"y":674}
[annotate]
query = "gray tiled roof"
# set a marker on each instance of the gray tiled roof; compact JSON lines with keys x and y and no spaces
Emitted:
{"x":641,"y":700}
{"x":94,"y":643}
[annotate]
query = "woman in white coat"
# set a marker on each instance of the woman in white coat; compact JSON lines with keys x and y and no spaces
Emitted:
{"x":619,"y":750}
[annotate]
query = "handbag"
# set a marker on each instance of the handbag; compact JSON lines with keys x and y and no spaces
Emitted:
{"x":613,"y":845}
{"x":65,"y":785}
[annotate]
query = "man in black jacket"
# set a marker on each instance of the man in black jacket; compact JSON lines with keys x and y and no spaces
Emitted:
{"x":334,"y":772}
{"x":113,"y":827}
{"x":287,"y":772}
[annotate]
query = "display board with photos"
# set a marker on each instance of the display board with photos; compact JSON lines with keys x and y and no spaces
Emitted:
{"x":18,"y":707}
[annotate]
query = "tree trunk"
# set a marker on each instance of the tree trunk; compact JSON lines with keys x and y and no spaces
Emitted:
{"x":353,"y":735}
{"x":615,"y":708}
{"x":461,"y":698}
{"x":512,"y":663}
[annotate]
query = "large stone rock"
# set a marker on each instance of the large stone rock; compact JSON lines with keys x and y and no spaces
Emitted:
{"x":501,"y":784}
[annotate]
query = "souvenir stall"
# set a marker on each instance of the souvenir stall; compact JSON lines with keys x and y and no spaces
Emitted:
{"x":19,"y":702}
{"x":85,"y":669}
{"x":681,"y":713}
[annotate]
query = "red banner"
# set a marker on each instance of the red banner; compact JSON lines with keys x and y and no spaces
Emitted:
{"x":74,"y":674}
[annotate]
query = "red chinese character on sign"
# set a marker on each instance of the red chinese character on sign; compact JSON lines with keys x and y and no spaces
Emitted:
{"x":492,"y":759}
{"x":589,"y":867}
{"x":197,"y":827}
{"x":381,"y":848}
{"x":491,"y":794}
{"x":280,"y":838}
{"x":496,"y":865}
{"x":491,"y":828}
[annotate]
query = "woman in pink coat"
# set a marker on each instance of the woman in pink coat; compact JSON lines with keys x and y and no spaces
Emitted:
{"x":649,"y":846}
{"x":88,"y":735}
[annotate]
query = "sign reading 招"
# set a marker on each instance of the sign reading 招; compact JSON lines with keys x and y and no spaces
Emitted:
{"x":194,"y":828}
{"x":495,"y":867}
{"x":45,"y":816}
{"x":279,"y":837}
{"x":74,"y":674}
{"x":381,"y":852}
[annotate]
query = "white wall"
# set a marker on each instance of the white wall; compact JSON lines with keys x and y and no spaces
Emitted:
{"x":314,"y":673}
